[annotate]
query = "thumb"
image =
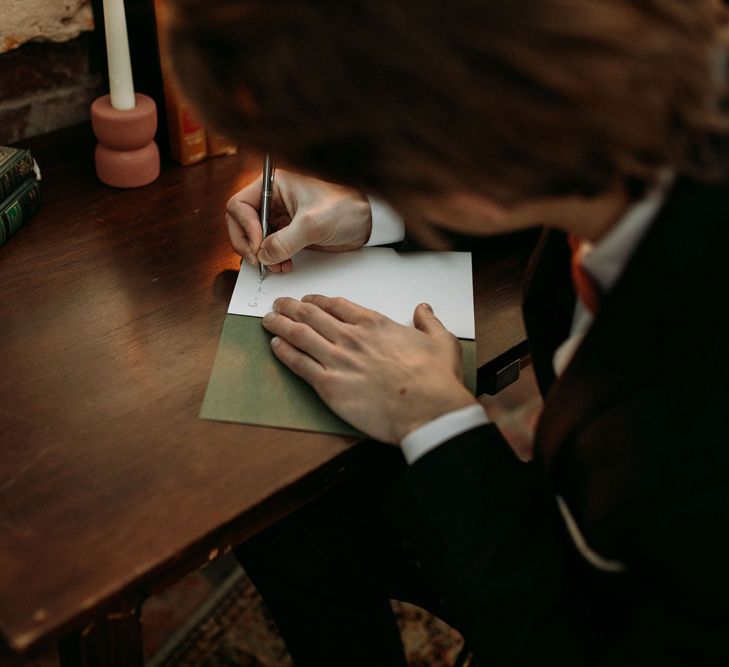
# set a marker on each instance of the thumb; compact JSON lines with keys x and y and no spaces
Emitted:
{"x":426,"y":321}
{"x":301,"y":232}
{"x":283,"y":244}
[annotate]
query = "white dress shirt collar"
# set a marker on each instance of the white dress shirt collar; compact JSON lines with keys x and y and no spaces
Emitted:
{"x":605,"y":261}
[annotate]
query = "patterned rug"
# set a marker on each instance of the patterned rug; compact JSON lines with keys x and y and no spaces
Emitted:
{"x":236,"y":630}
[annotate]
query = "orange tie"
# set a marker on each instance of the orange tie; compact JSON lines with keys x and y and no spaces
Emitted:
{"x":586,"y":288}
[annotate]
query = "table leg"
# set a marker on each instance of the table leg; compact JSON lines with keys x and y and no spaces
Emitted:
{"x":114,"y":640}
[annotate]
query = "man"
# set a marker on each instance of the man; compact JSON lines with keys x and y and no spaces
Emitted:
{"x":601,"y":121}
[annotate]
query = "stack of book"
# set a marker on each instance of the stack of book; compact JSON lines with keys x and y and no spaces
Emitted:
{"x":181,"y":134}
{"x":190,"y":140}
{"x":19,"y":190}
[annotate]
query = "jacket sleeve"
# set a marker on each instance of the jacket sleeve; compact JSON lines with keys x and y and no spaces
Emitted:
{"x":486,"y":530}
{"x":493,"y":547}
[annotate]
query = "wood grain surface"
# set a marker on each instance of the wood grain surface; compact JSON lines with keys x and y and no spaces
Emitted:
{"x":111,"y":304}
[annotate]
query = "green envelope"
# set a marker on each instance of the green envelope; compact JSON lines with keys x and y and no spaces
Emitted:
{"x":248,"y":385}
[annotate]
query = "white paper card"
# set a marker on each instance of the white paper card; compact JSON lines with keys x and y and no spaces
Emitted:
{"x":381,"y":279}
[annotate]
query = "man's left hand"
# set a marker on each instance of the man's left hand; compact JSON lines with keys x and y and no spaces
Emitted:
{"x":384,"y":378}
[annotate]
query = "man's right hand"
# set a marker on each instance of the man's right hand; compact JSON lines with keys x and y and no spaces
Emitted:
{"x":305,"y":213}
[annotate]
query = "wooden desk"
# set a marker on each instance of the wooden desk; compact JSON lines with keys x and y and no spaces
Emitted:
{"x":111,"y":305}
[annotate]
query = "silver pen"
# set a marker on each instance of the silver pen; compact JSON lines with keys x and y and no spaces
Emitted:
{"x":266,"y":194}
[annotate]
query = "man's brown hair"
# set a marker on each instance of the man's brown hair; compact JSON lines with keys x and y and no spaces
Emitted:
{"x":508,"y":98}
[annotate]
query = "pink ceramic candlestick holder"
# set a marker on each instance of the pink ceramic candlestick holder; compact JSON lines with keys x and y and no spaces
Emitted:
{"x":126,"y":155}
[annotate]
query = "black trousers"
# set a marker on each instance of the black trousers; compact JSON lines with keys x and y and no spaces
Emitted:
{"x":328,"y":571}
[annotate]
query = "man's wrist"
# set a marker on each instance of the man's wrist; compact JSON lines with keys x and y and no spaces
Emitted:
{"x":439,"y":430}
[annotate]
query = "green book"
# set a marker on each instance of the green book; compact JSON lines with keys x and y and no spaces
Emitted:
{"x":16,"y":166}
{"x":18,"y":208}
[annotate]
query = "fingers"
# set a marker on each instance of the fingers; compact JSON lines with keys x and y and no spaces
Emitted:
{"x":282,"y":267}
{"x":242,"y":210}
{"x":286,"y":242}
{"x":302,"y":364}
{"x":307,"y":313}
{"x":342,"y":309}
{"x":301,"y":336}
{"x":244,"y":227}
{"x":239,"y":241}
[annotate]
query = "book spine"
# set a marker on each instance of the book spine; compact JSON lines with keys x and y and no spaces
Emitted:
{"x":14,"y":172}
{"x":187,"y":134}
{"x":18,"y":210}
{"x":220,"y":145}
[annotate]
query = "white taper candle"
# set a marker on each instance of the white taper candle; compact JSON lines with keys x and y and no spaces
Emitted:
{"x":121,"y":86}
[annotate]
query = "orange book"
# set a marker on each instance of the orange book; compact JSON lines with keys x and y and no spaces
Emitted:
{"x":188,"y":142}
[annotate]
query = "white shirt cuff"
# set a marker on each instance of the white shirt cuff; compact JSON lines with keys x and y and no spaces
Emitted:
{"x":387,"y":224}
{"x":419,"y":442}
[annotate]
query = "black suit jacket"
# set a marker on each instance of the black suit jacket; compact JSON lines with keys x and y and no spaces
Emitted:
{"x":634,"y":437}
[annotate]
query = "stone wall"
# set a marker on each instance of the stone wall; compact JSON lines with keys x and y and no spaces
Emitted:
{"x":49,"y":73}
{"x":28,"y":20}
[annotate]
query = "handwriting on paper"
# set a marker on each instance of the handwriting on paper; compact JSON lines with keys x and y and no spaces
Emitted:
{"x":378,"y":278}
{"x":260,"y":294}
